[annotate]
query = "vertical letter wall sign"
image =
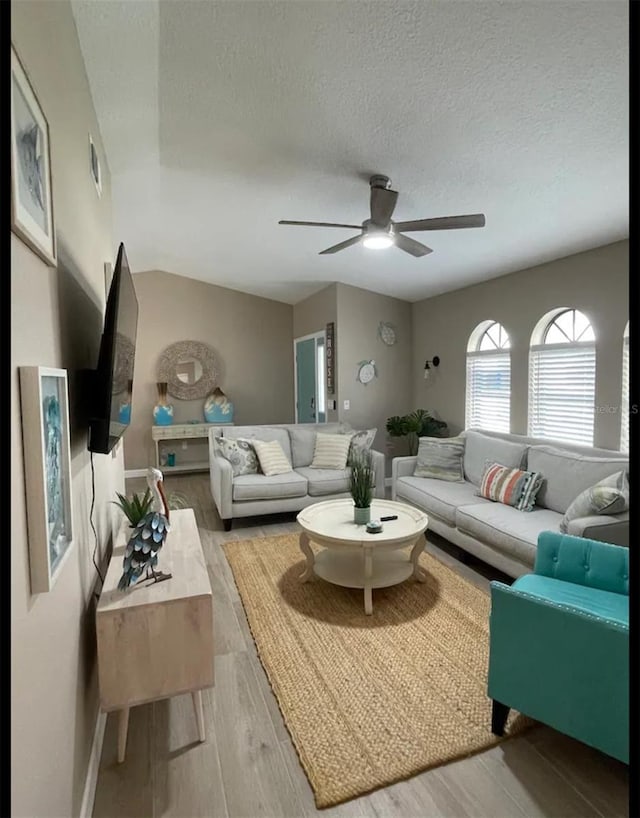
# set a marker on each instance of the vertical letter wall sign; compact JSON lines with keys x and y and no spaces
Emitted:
{"x":331,"y":357}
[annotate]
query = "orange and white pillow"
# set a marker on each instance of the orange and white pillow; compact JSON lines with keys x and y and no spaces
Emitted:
{"x":513,"y":487}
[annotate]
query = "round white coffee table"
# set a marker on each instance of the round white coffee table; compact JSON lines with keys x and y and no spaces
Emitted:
{"x":355,"y":559}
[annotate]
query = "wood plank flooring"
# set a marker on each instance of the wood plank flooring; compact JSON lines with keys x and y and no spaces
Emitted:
{"x":248,"y":767}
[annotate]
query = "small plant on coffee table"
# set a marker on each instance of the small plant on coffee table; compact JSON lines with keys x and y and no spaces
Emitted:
{"x":361,"y":486}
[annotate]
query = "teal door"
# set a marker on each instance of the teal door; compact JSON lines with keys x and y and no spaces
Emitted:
{"x":306,"y":381}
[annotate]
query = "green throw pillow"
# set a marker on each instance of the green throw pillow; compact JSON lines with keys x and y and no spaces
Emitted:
{"x":609,"y":496}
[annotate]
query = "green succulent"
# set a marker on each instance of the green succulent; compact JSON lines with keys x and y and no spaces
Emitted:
{"x":135,"y":508}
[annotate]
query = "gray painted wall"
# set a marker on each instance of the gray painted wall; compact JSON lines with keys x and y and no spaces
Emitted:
{"x":359,"y":315}
{"x":251,"y":336}
{"x":595,"y":282}
{"x":57,"y":317}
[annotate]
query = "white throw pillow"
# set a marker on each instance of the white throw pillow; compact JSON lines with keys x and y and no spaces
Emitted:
{"x":331,"y":451}
{"x":272,"y":458}
{"x":609,"y":496}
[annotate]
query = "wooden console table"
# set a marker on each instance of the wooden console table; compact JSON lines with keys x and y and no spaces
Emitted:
{"x":156,"y":640}
{"x":183,"y":431}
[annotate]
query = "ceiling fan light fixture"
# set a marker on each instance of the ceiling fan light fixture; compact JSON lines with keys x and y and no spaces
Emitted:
{"x":377,"y":241}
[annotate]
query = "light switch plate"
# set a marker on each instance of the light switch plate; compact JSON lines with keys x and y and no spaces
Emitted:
{"x":346,"y":404}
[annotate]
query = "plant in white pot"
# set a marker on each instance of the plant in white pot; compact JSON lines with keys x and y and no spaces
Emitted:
{"x":361,"y":486}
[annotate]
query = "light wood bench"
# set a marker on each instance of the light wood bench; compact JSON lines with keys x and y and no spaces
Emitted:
{"x":156,"y":640}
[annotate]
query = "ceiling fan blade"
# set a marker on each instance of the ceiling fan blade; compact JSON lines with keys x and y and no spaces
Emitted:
{"x":342,"y":246}
{"x":412,"y":246}
{"x":322,"y":224}
{"x":442,"y":223}
{"x":382,"y":202}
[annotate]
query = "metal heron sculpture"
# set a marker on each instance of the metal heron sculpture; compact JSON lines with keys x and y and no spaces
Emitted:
{"x":147,"y":538}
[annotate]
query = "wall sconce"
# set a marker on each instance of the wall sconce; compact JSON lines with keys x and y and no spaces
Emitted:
{"x":435,"y":361}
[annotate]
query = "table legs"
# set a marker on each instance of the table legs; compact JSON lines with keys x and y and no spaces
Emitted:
{"x":418,"y":572}
{"x":123,"y":728}
{"x":197,"y":706}
{"x":368,"y":572}
{"x":306,"y":550}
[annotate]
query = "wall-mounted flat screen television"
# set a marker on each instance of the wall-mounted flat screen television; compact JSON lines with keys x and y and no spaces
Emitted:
{"x":112,"y":381}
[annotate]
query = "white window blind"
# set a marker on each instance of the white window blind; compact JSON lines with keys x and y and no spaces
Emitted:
{"x":488,"y":403}
{"x":624,"y":429}
{"x":562,"y":392}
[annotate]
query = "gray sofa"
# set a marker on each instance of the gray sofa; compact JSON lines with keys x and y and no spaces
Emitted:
{"x":499,"y":534}
{"x":249,"y":495}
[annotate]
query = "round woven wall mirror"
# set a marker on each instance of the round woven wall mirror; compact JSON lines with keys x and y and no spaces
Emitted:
{"x":189,"y":368}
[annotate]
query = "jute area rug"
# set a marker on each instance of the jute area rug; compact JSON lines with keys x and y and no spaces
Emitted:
{"x":369,"y":700}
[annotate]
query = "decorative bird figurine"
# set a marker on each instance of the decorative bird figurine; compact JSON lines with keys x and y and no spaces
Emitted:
{"x":141,"y":553}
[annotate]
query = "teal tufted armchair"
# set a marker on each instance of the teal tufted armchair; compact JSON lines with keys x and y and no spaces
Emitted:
{"x":559,"y":643}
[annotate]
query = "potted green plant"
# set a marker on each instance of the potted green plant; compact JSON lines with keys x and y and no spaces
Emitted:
{"x":415,"y":425}
{"x":135,"y":508}
{"x":361,"y":487}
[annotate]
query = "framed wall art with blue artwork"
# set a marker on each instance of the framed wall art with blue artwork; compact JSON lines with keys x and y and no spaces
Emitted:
{"x":47,"y":464}
{"x":31,"y":197}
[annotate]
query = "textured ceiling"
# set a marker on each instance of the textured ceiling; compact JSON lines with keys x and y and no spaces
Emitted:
{"x":220,"y":118}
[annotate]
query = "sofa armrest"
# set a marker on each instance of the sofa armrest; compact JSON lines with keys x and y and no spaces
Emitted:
{"x":558,"y":664}
{"x":585,"y":562}
{"x":401,"y":467}
{"x":604,"y":527}
{"x":378,"y":464}
{"x":221,"y":476}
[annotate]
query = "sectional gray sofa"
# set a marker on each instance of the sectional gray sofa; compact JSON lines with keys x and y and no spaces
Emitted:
{"x":249,"y":495}
{"x":499,"y":534}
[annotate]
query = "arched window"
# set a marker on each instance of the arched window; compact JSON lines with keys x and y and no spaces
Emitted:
{"x":562,"y":377}
{"x":624,"y":428}
{"x":488,"y":399}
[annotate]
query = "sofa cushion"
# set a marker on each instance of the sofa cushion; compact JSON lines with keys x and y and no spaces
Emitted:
{"x":513,"y":487}
{"x":606,"y":604}
{"x":506,"y":528}
{"x":272,"y":459}
{"x":265,"y":433}
{"x":438,"y":497}
{"x":567,"y":474}
{"x":325,"y":481}
{"x":303,"y":440}
{"x":274,"y":487}
{"x":479,"y":447}
{"x":331,"y":451}
{"x":440,"y":458}
{"x":240,"y":453}
{"x":609,"y":496}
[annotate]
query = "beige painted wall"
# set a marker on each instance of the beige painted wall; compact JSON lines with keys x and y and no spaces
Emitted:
{"x":251,"y":336}
{"x":359,"y":314}
{"x":56,"y":321}
{"x":596,"y":282}
{"x":312,"y":315}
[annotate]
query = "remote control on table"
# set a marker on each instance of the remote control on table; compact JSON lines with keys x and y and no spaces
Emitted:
{"x":386,"y":519}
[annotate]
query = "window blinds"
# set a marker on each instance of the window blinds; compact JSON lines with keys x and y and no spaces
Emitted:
{"x":624,"y":428}
{"x":488,"y":400}
{"x":562,"y":392}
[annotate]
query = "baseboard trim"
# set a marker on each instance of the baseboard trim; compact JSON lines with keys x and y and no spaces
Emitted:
{"x":135,"y":473}
{"x":89,"y":795}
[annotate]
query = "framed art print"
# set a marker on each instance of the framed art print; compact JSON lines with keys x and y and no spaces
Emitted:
{"x":47,"y":465}
{"x":31,"y":198}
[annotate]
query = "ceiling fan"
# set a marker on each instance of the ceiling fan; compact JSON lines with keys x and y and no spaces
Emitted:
{"x":379,"y":231}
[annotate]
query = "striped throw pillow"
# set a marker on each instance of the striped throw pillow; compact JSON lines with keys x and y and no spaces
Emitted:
{"x":272,"y":459}
{"x":331,"y":451}
{"x":513,"y":487}
{"x":440,"y":458}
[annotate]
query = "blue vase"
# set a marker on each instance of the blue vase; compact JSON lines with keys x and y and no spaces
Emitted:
{"x":163,"y":414}
{"x":124,"y":414}
{"x":218,"y":408}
